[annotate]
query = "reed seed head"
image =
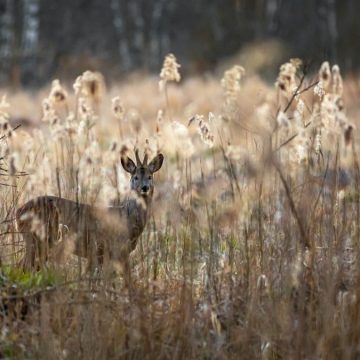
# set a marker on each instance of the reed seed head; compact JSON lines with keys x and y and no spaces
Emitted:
{"x":169,"y":71}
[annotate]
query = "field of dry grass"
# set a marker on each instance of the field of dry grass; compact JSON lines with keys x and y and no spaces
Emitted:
{"x":251,"y":250}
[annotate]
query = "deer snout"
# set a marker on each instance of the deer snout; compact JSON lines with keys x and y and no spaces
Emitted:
{"x":145,"y":188}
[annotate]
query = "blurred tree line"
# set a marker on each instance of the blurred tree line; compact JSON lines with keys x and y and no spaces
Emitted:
{"x":41,"y":38}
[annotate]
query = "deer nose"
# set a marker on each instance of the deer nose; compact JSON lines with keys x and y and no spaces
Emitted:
{"x":145,"y":188}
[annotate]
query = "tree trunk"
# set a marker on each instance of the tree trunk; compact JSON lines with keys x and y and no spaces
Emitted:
{"x":6,"y":39}
{"x":328,"y":28}
{"x":30,"y":39}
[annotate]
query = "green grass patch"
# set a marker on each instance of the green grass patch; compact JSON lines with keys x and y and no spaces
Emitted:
{"x":29,"y":280}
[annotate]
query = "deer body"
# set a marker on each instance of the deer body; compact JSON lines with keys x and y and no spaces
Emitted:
{"x":95,"y":233}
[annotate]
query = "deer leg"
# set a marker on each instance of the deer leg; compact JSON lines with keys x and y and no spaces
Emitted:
{"x":51,"y":232}
{"x":100,"y":255}
{"x":42,"y":251}
{"x":28,"y":261}
{"x":37,"y":247}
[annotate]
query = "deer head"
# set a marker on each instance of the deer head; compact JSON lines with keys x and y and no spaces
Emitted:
{"x":142,"y":173}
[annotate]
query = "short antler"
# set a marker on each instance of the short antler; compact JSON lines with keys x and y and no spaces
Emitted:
{"x":138,"y":161}
{"x":145,"y":159}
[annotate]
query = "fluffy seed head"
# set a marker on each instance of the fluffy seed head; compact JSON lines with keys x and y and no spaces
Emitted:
{"x":58,"y":94}
{"x":337,"y":82}
{"x":319,"y":89}
{"x":286,"y":80}
{"x":325,"y":75}
{"x":169,"y":71}
{"x":231,"y":82}
{"x":90,"y":84}
{"x":118,"y":108}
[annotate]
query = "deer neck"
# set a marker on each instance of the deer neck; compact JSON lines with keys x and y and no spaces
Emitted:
{"x":137,"y":210}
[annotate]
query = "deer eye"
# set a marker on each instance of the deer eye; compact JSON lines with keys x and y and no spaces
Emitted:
{"x":136,"y":178}
{"x":150,"y":177}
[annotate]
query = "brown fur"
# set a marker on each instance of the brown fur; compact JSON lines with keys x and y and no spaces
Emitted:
{"x":96,"y":233}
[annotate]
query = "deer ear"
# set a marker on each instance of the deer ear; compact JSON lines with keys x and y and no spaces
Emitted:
{"x":156,"y":163}
{"x":128,"y":164}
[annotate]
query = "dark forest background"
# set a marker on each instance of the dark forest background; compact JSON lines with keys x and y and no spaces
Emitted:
{"x":46,"y":38}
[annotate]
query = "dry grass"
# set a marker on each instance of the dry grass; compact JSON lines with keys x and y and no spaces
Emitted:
{"x":252,"y":247}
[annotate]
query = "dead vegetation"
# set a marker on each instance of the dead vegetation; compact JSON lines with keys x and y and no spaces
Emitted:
{"x":251,"y":250}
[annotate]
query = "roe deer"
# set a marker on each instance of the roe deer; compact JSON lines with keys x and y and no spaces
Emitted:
{"x":95,"y":232}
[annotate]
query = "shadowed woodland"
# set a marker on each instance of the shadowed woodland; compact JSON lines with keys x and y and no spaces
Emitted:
{"x":227,"y":132}
{"x":41,"y":39}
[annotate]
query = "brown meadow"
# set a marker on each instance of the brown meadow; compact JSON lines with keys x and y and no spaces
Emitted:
{"x":251,"y":248}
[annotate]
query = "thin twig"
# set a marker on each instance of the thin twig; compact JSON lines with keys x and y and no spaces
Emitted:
{"x":291,"y":138}
{"x":15,"y":128}
{"x":296,"y":93}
